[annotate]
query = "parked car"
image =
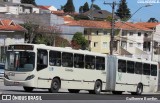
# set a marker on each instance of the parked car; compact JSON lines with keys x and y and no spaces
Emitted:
{"x":2,"y":70}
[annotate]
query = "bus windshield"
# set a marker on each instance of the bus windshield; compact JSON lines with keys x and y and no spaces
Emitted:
{"x":20,"y":61}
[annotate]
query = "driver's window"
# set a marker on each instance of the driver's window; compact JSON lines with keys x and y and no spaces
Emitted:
{"x":42,"y":59}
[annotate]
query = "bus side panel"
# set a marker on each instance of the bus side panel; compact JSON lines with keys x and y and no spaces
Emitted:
{"x":111,"y":72}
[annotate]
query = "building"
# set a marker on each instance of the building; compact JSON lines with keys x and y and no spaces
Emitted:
{"x":16,"y":7}
{"x":10,"y":33}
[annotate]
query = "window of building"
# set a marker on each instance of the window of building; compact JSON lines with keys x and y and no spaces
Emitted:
{"x":97,"y":32}
{"x":146,"y":34}
{"x":139,"y":33}
{"x":122,"y":66}
{"x":95,"y":44}
{"x":124,"y":33}
{"x":89,"y":62}
{"x":100,"y":63}
{"x":85,"y":32}
{"x":130,"y":67}
{"x":153,"y":70}
{"x":146,"y":69}
{"x":124,"y":44}
{"x":130,"y":44}
{"x":138,"y":68}
{"x":55,"y":58}
{"x":130,"y":33}
{"x":105,"y":32}
{"x":104,"y":44}
{"x":67,"y":59}
{"x":42,"y":59}
{"x":78,"y":60}
{"x":139,"y":44}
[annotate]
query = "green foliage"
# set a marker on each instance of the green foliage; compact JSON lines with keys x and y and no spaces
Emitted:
{"x":28,"y":2}
{"x":32,"y":29}
{"x":69,"y":7}
{"x":81,"y":9}
{"x":81,"y":17}
{"x":80,"y":40}
{"x":123,"y":11}
{"x":96,"y":7}
{"x":153,"y":20}
{"x":85,"y":7}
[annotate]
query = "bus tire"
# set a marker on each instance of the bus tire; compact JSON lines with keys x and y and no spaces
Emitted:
{"x":28,"y":89}
{"x":97,"y":87}
{"x":55,"y":85}
{"x":73,"y":90}
{"x":139,"y":90}
{"x":117,"y":92}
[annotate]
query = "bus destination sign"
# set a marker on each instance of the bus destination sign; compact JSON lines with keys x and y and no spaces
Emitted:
{"x":20,"y":47}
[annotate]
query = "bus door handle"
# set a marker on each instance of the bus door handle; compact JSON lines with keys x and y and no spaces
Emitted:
{"x":69,"y":70}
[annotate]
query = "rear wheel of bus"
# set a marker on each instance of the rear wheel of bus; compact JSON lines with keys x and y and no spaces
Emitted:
{"x":139,"y":90}
{"x":28,"y":89}
{"x":55,"y":85}
{"x":97,"y":88}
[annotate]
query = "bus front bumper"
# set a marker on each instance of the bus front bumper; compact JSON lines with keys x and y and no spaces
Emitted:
{"x":27,"y":83}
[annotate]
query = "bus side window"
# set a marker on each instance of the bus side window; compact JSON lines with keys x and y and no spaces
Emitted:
{"x":100,"y":63}
{"x":42,"y":59}
{"x":122,"y":66}
{"x":67,"y":59}
{"x":89,"y":62}
{"x":138,"y":68}
{"x":78,"y":60}
{"x":130,"y":67}
{"x":153,"y":70}
{"x":146,"y":69}
{"x":55,"y":58}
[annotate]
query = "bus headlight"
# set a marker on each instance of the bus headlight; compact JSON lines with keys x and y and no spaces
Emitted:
{"x":30,"y":77}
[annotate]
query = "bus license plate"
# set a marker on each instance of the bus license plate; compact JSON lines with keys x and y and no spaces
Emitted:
{"x":16,"y":83}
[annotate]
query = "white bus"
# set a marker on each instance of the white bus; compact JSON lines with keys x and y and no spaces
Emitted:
{"x":53,"y":68}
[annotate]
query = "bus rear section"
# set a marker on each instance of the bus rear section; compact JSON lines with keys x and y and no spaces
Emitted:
{"x":132,"y":75}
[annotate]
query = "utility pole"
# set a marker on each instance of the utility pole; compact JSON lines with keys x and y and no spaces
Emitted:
{"x":113,"y":4}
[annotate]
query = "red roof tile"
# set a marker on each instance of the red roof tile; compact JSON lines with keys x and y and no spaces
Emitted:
{"x":9,"y":25}
{"x":147,"y":24}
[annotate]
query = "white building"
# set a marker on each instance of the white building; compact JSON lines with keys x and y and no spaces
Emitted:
{"x":16,"y":7}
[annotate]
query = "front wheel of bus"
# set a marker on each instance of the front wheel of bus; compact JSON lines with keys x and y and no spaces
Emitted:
{"x":28,"y":89}
{"x":55,"y":86}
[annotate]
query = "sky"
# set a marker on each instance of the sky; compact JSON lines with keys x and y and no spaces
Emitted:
{"x":142,"y":15}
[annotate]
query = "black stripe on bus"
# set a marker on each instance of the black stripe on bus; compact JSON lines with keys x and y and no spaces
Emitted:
{"x":130,"y":84}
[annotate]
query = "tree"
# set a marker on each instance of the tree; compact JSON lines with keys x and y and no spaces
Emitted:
{"x":153,"y":20}
{"x":123,"y":11}
{"x":85,"y":7}
{"x":48,"y":34}
{"x":79,"y":41}
{"x":81,"y":9}
{"x":69,"y":7}
{"x":31,"y":28}
{"x":28,"y":2}
{"x":96,"y":7}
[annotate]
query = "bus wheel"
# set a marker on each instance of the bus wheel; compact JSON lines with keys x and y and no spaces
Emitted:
{"x":97,"y":87}
{"x":28,"y":89}
{"x":73,"y":90}
{"x":139,"y":90}
{"x":117,"y":92}
{"x":55,"y":86}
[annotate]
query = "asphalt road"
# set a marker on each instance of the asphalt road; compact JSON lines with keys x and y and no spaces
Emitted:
{"x":65,"y":97}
